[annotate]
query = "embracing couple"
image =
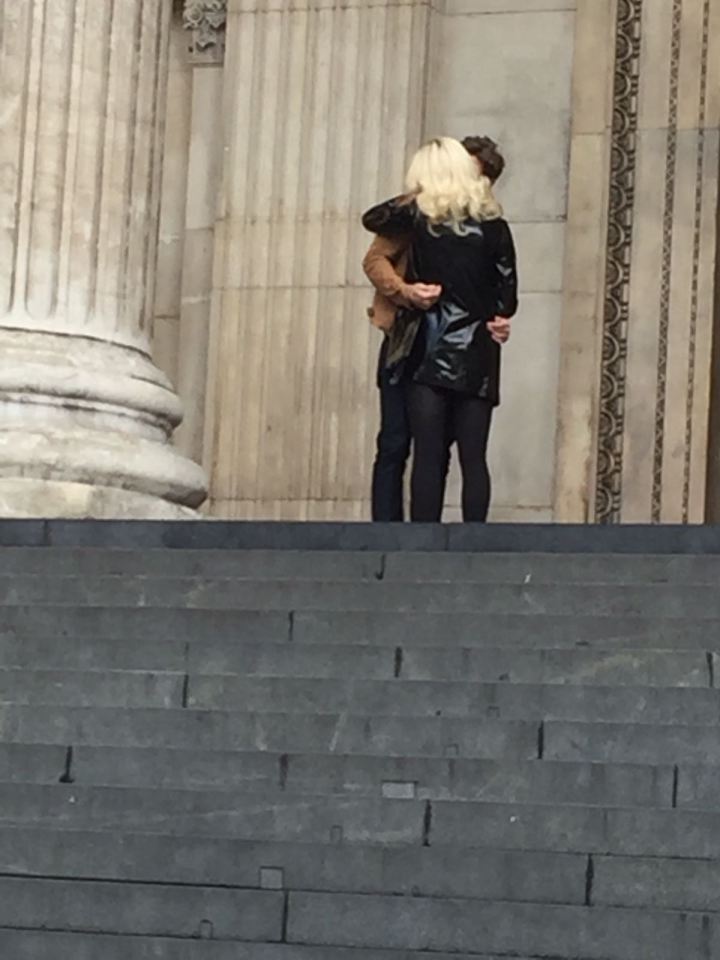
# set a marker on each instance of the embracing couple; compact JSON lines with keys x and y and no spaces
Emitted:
{"x":443,"y":267}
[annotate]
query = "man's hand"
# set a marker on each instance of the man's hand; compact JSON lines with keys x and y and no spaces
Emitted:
{"x":499,"y":329}
{"x":422,"y":295}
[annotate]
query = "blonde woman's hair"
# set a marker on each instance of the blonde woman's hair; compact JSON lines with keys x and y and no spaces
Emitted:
{"x":447,"y":186}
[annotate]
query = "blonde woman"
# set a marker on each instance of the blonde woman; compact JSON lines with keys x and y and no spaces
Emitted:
{"x":463,"y":262}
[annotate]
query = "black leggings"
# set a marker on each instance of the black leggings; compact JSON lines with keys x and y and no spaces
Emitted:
{"x":437,"y":418}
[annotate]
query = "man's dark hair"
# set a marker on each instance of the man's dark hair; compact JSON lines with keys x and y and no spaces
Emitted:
{"x":487,"y":153}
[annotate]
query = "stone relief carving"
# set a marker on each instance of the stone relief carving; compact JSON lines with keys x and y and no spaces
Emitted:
{"x":206,"y":19}
{"x":608,"y":493}
{"x":666,"y":274}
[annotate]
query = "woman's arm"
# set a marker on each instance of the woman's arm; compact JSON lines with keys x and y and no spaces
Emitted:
{"x":391,"y":218}
{"x":506,"y":273}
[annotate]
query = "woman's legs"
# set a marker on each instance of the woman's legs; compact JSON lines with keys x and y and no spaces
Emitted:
{"x":471,"y":419}
{"x":428,"y":409}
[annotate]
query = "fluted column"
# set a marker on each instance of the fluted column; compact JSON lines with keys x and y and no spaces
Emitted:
{"x":85,"y":416}
{"x":323,"y":103}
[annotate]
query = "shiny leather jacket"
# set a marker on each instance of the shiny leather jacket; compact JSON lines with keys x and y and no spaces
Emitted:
{"x":477,"y":270}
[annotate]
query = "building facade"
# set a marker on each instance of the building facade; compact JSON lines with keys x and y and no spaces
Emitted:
{"x":181,"y":190}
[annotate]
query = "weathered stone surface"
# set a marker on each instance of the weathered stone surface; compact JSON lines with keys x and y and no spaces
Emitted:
{"x":251,"y":816}
{"x":33,"y":945}
{"x":87,"y":417}
{"x":635,"y":600}
{"x":416,"y":871}
{"x":390,"y":785}
{"x":451,"y":698}
{"x":426,"y":924}
{"x":420,"y":777}
{"x":333,"y":733}
{"x":152,"y":909}
{"x":632,"y":743}
{"x":656,"y":883}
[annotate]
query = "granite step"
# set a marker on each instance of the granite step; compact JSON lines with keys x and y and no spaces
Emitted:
{"x":218,"y":667}
{"x":354,"y":734}
{"x":126,"y":689}
{"x":459,"y":699}
{"x":651,"y":668}
{"x":231,"y":730}
{"x":408,"y":567}
{"x":359,"y":868}
{"x":657,"y":600}
{"x":175,"y":627}
{"x":141,"y":909}
{"x":338,"y":820}
{"x":214,"y":813}
{"x":442,"y":872}
{"x":656,"y":883}
{"x":506,"y":699}
{"x":44,"y":945}
{"x":631,"y":743}
{"x":631,"y":832}
{"x":627,"y":539}
{"x":417,"y":923}
{"x":415,"y":778}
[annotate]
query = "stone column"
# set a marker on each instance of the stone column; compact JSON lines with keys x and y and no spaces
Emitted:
{"x":85,"y":416}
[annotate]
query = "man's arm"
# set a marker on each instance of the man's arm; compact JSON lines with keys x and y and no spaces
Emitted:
{"x":383,"y":266}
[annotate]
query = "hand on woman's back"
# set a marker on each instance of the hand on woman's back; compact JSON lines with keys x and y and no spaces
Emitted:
{"x":423,"y":295}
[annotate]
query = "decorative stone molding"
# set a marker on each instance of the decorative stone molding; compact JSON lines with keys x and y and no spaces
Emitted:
{"x":206,"y":20}
{"x":608,"y":496}
{"x":656,"y":369}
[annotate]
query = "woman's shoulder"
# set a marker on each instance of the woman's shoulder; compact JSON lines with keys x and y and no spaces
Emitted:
{"x":498,"y":223}
{"x":497,"y":228}
{"x":395,"y":216}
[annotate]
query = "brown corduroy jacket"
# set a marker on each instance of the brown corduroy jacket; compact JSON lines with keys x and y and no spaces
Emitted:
{"x":385,"y":265}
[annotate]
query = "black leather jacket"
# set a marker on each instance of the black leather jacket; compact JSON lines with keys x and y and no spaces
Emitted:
{"x":477,"y":271}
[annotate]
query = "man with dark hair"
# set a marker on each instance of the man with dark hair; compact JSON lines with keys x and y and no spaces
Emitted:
{"x":386,"y":266}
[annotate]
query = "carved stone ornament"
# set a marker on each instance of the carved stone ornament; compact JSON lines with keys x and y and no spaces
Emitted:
{"x":206,"y":19}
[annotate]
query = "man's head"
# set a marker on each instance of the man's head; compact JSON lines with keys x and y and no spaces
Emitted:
{"x":487,"y":154}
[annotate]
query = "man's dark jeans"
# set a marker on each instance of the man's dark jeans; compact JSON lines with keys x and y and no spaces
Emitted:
{"x":393,"y":447}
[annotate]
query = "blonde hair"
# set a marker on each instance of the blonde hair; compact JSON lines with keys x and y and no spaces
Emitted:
{"x":448,"y":187}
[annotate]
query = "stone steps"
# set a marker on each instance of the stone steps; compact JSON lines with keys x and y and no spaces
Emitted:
{"x":407,"y":567}
{"x":661,"y":600}
{"x":559,"y":539}
{"x":361,"y":867}
{"x":443,"y":872}
{"x":416,"y":923}
{"x":356,"y":743}
{"x":365,"y":735}
{"x":33,"y":945}
{"x":175,"y":627}
{"x":407,"y":777}
{"x":507,"y":699}
{"x":646,"y":831}
{"x":218,"y":667}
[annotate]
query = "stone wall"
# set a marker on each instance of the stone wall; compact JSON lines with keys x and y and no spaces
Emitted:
{"x":292,"y":409}
{"x":608,"y":113}
{"x":322,"y":104}
{"x":503,"y":67}
{"x":639,"y":284}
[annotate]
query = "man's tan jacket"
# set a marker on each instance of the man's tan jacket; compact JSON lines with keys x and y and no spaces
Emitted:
{"x":385,"y":265}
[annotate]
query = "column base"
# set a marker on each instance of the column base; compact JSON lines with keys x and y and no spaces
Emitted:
{"x":85,"y":431}
{"x":51,"y":499}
